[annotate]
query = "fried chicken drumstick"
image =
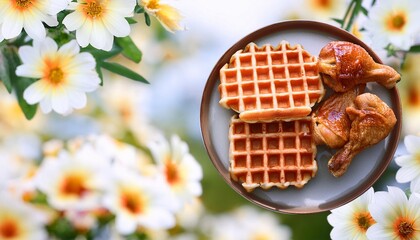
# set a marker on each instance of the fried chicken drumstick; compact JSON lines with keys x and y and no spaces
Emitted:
{"x":372,"y":120}
{"x":343,"y":65}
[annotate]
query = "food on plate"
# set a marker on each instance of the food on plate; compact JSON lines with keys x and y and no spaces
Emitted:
{"x":343,"y":65}
{"x":271,"y":83}
{"x":372,"y":120}
{"x":332,"y":125}
{"x":271,"y":154}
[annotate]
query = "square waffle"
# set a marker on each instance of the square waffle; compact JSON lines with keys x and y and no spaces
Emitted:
{"x":271,"y":154}
{"x":271,"y":83}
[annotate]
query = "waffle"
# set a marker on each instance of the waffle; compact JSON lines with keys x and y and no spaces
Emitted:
{"x":271,"y":83}
{"x":271,"y":154}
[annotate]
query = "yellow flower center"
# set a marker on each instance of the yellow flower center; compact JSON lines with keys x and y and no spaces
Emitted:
{"x":404,"y":228}
{"x":153,"y":5}
{"x":323,"y":5}
{"x":74,"y":185}
{"x":22,"y":4}
{"x":172,"y":172}
{"x":56,"y":76}
{"x":356,"y":31}
{"x":9,"y":229}
{"x":396,"y":21}
{"x":93,"y":9}
{"x":363,"y":221}
{"x":132,"y":202}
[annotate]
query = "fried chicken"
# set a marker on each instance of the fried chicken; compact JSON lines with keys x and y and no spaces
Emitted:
{"x":343,"y":65}
{"x":372,"y":120}
{"x":332,"y":125}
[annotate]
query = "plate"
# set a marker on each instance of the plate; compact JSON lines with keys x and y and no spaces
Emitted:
{"x":323,"y":192}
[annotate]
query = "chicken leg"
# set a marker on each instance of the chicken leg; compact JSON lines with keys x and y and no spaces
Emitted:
{"x":332,"y":125}
{"x":343,"y":65}
{"x":372,"y":120}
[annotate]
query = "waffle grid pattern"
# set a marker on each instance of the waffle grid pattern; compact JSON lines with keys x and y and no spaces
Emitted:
{"x":282,"y":82}
{"x":271,"y":154}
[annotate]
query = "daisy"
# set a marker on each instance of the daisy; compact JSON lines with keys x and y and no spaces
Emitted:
{"x":167,"y":15}
{"x":394,"y":22}
{"x":64,"y":75}
{"x":179,"y":168}
{"x":74,"y":181}
{"x":353,"y":219}
{"x":139,"y":201}
{"x":16,"y":15}
{"x":396,"y":216}
{"x":98,"y":21}
{"x":20,"y":221}
{"x":410,"y":164}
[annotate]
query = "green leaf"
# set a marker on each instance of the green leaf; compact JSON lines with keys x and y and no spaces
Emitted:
{"x":129,"y":49}
{"x":414,"y":49}
{"x":4,"y":69}
{"x":131,"y":20}
{"x":102,"y":55}
{"x":100,"y":74}
{"x":123,"y":71}
{"x":20,"y":83}
{"x":364,"y":11}
{"x":337,"y":20}
{"x":147,"y":19}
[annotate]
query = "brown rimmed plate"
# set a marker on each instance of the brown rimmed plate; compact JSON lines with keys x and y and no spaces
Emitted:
{"x":324,"y":192}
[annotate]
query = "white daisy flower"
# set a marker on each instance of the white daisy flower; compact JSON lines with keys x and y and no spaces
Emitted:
{"x":396,"y":216}
{"x":410,"y":164}
{"x":74,"y":181}
{"x":20,"y":221}
{"x":98,"y":21}
{"x":139,"y":201}
{"x":16,"y":15}
{"x":64,"y":74}
{"x":394,"y":22}
{"x":180,"y":169}
{"x":352,"y":220}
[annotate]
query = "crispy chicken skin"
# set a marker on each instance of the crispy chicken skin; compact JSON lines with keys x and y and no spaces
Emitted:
{"x":343,"y":65}
{"x":332,"y":125}
{"x":372,"y":120}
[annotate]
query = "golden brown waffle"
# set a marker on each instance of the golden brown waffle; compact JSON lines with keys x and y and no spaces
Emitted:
{"x":271,"y":83}
{"x":272,"y":154}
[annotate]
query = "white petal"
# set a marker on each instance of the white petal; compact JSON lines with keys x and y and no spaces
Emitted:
{"x":379,"y":232}
{"x":125,"y":225}
{"x":77,"y":99}
{"x":99,"y":35}
{"x":48,"y":46}
{"x":35,"y":92}
{"x":402,"y":160}
{"x":82,"y":62}
{"x":12,"y":25}
{"x":29,"y":54}
{"x":83,"y":34}
{"x":57,"y":6}
{"x":50,"y":20}
{"x":60,"y":102}
{"x":157,"y":218}
{"x":412,"y":143}
{"x":45,"y":104}
{"x":29,"y":70}
{"x":34,"y":28}
{"x":124,"y":7}
{"x":195,"y":188}
{"x":408,"y":173}
{"x":415,"y":185}
{"x":116,"y":25}
{"x":70,"y":49}
{"x":74,"y":20}
{"x":109,"y":42}
{"x":85,"y":82}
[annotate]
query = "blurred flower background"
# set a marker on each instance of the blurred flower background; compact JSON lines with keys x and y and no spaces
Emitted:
{"x":129,"y":162}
